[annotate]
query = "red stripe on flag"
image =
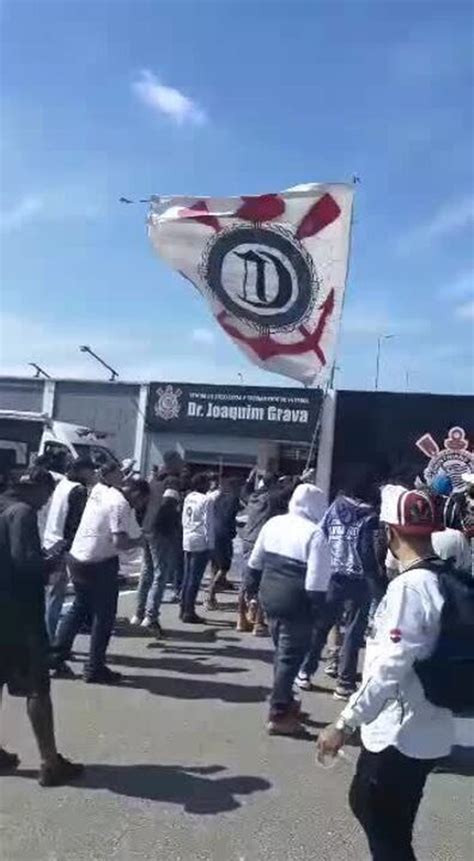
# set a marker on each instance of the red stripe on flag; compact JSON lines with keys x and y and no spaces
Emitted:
{"x":322,"y":213}
{"x":199,"y":212}
{"x":265,"y":207}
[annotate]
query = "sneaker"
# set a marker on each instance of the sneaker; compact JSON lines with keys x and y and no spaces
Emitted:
{"x":62,"y":772}
{"x":284,"y":725}
{"x":8,"y":761}
{"x":342,"y":693}
{"x":331,"y":670}
{"x":243,"y":625}
{"x":153,"y":627}
{"x":103,"y":677}
{"x":303,"y":681}
{"x":192,"y":619}
{"x":175,"y":598}
{"x":63,"y":671}
{"x":136,"y":620}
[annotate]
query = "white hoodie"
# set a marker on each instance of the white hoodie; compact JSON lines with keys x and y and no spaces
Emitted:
{"x":297,"y":536}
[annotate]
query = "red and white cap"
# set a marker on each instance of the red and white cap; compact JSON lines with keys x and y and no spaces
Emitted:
{"x":412,"y":512}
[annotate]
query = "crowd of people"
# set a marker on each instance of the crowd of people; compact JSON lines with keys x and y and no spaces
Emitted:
{"x":372,"y":568}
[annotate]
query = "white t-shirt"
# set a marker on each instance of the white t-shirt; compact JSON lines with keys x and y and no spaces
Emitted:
{"x":390,"y":706}
{"x":197,"y":522}
{"x":107,"y":513}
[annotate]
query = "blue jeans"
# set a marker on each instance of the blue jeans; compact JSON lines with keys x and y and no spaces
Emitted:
{"x":158,"y":562}
{"x":354,"y":595}
{"x":96,"y":589}
{"x":55,"y":595}
{"x":194,"y":567}
{"x":291,"y":639}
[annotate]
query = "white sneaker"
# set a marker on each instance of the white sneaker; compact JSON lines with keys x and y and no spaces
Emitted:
{"x":135,"y":620}
{"x":303,"y":681}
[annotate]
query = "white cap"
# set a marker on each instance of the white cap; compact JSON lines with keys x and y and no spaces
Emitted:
{"x":171,"y":494}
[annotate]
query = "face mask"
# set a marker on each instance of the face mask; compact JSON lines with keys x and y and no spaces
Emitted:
{"x":389,"y":535}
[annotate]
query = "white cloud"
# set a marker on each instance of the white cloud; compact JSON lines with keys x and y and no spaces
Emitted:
{"x":21,"y":213}
{"x":372,"y":322}
{"x":69,"y":202}
{"x":205,"y":337}
{"x":465,"y":311}
{"x":448,"y":218}
{"x":167,"y":100}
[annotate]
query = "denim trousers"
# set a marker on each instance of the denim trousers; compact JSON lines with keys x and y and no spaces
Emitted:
{"x":96,"y":589}
{"x":195,"y":564}
{"x":291,"y":639}
{"x":352,"y":594}
{"x":160,"y":562}
{"x":55,"y":595}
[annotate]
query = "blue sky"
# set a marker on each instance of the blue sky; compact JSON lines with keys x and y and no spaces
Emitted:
{"x":102,"y":99}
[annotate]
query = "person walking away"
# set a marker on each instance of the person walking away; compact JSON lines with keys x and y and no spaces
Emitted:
{"x":23,"y":637}
{"x":64,"y":515}
{"x":94,"y":565}
{"x":197,"y":544}
{"x":168,"y":544}
{"x":265,"y":497}
{"x":224,"y":512}
{"x":289,"y":569}
{"x":403,"y":732}
{"x":152,"y":582}
{"x":351,"y":527}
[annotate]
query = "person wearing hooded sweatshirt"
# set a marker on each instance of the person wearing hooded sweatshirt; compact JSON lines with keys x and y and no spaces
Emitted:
{"x":351,"y":527}
{"x":289,"y":569}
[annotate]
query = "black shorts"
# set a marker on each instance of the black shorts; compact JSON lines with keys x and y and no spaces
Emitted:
{"x":24,"y":661}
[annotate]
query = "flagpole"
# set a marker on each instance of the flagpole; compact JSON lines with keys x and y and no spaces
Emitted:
{"x":327,"y":413}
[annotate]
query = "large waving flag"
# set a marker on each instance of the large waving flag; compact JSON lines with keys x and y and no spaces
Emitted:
{"x":272,"y":267}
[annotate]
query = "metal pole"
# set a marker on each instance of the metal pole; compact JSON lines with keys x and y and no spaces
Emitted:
{"x":377,"y":364}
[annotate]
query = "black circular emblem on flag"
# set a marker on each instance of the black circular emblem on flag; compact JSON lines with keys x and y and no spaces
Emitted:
{"x":264,"y":276}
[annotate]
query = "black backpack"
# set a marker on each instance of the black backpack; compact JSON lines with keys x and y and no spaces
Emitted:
{"x":447,"y":675}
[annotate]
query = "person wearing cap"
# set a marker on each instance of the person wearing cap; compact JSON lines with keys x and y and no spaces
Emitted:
{"x":403,"y":734}
{"x":24,"y":645}
{"x":104,"y":532}
{"x":64,"y":515}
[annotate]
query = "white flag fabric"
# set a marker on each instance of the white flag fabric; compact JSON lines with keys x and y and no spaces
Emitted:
{"x":272,"y":268}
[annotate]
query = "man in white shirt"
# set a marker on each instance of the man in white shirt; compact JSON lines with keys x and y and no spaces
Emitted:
{"x":94,"y":564}
{"x":64,"y":516}
{"x":197,"y":544}
{"x":403,"y":734}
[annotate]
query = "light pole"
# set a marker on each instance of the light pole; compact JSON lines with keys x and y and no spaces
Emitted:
{"x":39,"y":371}
{"x":377,"y":364}
{"x":113,"y":374}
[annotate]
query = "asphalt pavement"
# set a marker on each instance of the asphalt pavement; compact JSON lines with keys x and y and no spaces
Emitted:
{"x":179,"y":767}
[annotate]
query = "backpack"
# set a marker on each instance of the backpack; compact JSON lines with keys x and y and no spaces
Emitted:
{"x":447,"y":675}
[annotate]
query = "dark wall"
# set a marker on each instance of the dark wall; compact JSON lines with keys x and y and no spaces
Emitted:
{"x":25,"y":395}
{"x":103,"y":407}
{"x":380,"y":430}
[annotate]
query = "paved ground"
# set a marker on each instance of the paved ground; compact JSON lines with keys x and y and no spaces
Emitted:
{"x":180,"y":769}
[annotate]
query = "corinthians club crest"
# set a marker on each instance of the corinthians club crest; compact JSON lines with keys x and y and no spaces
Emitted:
{"x":262,"y":275}
{"x":168,"y":403}
{"x":454,"y":459}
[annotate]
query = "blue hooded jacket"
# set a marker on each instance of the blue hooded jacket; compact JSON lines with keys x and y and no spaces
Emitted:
{"x":352,"y":530}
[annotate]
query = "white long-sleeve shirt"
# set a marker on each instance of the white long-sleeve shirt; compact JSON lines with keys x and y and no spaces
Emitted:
{"x":197,"y":522}
{"x":390,"y":706}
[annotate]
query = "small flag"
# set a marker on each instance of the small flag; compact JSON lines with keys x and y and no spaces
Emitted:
{"x":272,"y":267}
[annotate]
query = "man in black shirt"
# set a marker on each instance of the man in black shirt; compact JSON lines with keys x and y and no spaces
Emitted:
{"x":23,"y":638}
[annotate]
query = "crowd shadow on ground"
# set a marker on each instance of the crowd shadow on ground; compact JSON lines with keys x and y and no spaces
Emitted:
{"x":197,"y":689}
{"x":192,"y":666}
{"x":194,"y":788}
{"x":460,"y":762}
